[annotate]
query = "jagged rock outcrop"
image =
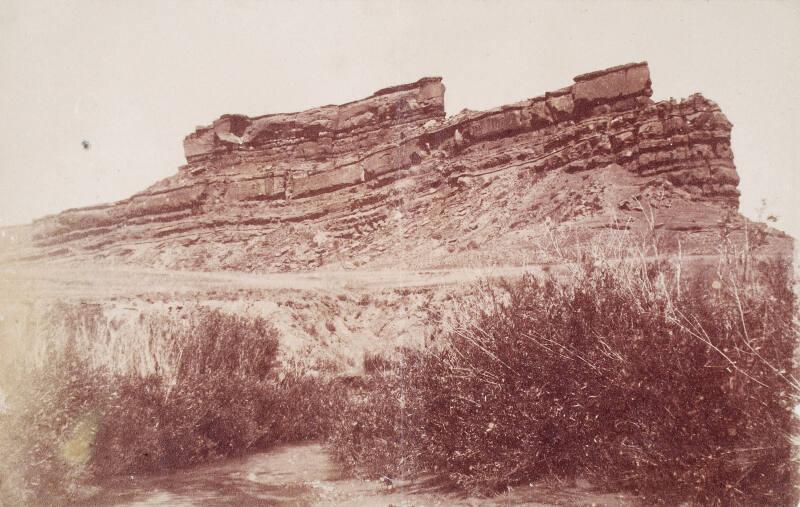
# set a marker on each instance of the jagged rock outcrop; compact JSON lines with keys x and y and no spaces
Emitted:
{"x":347,"y":185}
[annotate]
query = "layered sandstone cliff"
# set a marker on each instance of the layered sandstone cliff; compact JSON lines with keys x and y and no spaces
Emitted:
{"x":388,"y":179}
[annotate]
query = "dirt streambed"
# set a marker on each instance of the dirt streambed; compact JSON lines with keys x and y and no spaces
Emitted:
{"x":304,"y":474}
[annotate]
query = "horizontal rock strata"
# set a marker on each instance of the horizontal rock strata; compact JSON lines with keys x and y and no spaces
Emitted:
{"x":290,"y":191}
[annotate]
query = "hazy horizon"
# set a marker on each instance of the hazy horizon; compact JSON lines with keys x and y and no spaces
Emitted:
{"x":133,"y":79}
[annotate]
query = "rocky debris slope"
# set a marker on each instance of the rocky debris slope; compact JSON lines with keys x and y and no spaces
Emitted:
{"x":345,"y":186}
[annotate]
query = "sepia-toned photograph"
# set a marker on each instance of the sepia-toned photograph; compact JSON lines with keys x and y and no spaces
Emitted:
{"x":399,"y":253}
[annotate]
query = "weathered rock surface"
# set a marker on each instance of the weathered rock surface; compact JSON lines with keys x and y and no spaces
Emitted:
{"x":389,"y":180}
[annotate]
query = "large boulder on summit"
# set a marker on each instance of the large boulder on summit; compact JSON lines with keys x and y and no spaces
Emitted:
{"x":611,"y":84}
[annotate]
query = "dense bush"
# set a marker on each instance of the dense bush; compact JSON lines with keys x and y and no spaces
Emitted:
{"x":371,"y":436}
{"x":73,"y":421}
{"x":45,"y":439}
{"x":212,"y":405}
{"x":621,"y":373}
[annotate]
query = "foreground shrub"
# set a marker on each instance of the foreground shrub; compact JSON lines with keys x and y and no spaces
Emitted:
{"x":624,"y":374}
{"x":372,"y":435}
{"x":217,"y":394}
{"x":305,"y":406}
{"x":209,"y":407}
{"x":46,"y":438}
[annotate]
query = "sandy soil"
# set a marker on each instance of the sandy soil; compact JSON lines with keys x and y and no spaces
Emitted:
{"x":79,"y":282}
{"x":98,"y":282}
{"x":304,"y":474}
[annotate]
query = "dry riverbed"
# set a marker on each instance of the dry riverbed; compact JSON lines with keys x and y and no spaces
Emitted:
{"x":304,"y":474}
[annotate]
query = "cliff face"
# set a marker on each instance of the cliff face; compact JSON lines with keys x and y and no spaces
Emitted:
{"x":346,"y":185}
{"x":320,"y":140}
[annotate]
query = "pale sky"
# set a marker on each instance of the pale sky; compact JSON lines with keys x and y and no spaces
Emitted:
{"x":134,"y":77}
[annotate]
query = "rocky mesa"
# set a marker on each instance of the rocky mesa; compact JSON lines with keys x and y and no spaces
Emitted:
{"x":343,"y":186}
